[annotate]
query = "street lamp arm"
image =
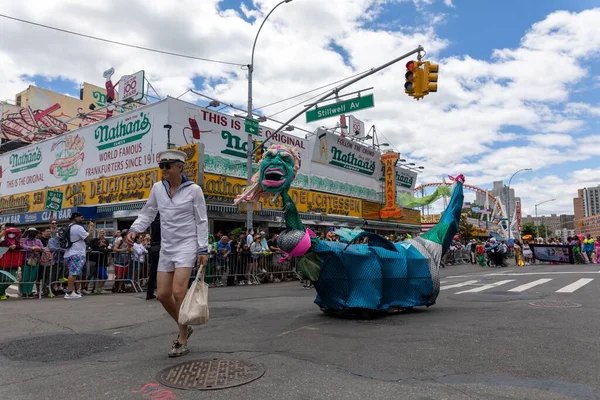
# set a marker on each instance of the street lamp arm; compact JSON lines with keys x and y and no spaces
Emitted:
{"x":508,"y":198}
{"x":513,"y":175}
{"x":251,"y":66}
{"x":547,"y":201}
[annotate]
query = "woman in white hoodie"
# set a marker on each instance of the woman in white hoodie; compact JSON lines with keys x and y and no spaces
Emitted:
{"x":184,"y":236}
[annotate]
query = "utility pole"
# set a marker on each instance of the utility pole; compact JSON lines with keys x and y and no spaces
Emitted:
{"x":537,"y":230}
{"x":508,"y":199}
{"x":250,"y":141}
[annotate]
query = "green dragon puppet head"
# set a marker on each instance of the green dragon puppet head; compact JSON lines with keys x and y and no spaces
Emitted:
{"x":276,"y":171}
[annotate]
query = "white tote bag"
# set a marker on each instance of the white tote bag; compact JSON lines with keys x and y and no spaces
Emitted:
{"x":194,"y":309}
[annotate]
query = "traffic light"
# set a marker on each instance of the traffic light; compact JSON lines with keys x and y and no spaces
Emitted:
{"x":410,"y":85}
{"x":258,"y":151}
{"x":414,"y":79}
{"x":430,"y":77}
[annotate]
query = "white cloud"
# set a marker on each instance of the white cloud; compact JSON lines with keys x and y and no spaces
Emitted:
{"x":549,"y":140}
{"x":448,"y":3}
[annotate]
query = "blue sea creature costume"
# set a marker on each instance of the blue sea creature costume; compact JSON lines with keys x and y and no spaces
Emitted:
{"x":378,"y":275}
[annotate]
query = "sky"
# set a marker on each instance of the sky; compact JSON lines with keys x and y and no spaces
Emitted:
{"x":518,"y":80}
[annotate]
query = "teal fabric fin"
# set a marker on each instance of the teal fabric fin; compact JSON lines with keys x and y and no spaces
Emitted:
{"x":444,"y":231}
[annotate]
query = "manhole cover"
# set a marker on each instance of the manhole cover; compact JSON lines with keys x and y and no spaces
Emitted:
{"x":210,"y":374}
{"x":554,"y":304}
{"x":56,"y":348}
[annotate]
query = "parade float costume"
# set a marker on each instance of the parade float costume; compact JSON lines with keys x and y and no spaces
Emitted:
{"x":11,"y":261}
{"x":378,"y":276}
{"x":588,"y":248}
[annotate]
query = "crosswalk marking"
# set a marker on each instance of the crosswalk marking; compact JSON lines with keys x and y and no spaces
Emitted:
{"x":529,"y":285}
{"x":486,"y":287}
{"x":457,"y":285}
{"x":575,"y":285}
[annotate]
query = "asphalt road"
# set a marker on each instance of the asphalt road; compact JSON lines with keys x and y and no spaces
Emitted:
{"x":482,"y":340}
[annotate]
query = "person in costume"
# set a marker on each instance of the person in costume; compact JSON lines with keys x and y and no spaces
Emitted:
{"x":481,"y":254}
{"x":184,"y":236}
{"x":588,"y":247}
{"x":597,"y":250}
{"x":519,"y":254}
{"x":576,"y":244}
{"x":527,"y":253}
{"x":11,"y":260}
{"x":413,"y":264}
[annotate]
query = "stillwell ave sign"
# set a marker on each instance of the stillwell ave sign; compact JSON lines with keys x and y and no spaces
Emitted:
{"x":340,"y":108}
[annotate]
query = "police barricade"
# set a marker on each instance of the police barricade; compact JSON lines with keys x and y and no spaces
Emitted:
{"x":122,"y":271}
{"x":249,"y":269}
{"x":457,"y":256}
{"x":119,"y":269}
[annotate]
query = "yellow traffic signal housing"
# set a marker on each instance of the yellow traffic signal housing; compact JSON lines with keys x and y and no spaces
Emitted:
{"x":430,"y":77}
{"x":258,"y":151}
{"x":414,"y":79}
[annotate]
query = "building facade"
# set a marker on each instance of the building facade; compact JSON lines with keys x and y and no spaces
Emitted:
{"x":586,"y":205}
{"x":561,"y":226}
{"x":107,"y":169}
{"x":589,"y":225}
{"x":578,"y":208}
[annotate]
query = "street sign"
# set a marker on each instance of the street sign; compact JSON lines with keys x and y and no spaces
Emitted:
{"x":251,"y":126}
{"x":131,"y":87}
{"x":343,"y":107}
{"x":54,"y":199}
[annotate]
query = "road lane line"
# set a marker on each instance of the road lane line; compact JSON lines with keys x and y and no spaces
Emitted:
{"x":486,"y":287}
{"x":529,"y":285}
{"x":467,"y":283}
{"x":475,"y":275}
{"x":575,"y":285}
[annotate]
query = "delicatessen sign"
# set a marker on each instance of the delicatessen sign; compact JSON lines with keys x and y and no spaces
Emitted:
{"x":225,"y":189}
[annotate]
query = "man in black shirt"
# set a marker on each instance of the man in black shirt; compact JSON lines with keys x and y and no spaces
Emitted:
{"x":154,"y":252}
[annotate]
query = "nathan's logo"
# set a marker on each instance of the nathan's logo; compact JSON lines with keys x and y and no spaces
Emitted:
{"x":234,"y":146}
{"x":126,"y":131}
{"x":25,"y":160}
{"x":349,"y":161}
{"x":402,"y":179}
{"x":14,"y":204}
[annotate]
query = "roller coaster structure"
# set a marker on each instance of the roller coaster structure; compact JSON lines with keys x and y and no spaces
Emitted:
{"x":499,"y":209}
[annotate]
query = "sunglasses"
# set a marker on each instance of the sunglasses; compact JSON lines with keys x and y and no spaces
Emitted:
{"x":165,"y":165}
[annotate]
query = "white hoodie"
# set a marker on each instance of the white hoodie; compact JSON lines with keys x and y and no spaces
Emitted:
{"x":183,"y":220}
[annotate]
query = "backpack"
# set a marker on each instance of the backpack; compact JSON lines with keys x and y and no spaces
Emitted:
{"x":64,"y":237}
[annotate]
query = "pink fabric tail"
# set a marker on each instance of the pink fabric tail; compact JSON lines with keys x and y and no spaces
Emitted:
{"x":302,"y":247}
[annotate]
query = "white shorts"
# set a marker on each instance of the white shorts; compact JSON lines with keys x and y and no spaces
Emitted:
{"x":168,"y":263}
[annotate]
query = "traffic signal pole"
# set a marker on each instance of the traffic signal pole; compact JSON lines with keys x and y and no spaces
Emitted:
{"x":337,"y":90}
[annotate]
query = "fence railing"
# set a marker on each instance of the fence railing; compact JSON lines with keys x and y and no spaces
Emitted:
{"x":45,"y":273}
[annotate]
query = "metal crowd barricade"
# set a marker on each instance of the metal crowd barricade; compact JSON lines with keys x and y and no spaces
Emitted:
{"x":106,"y":270}
{"x":101,"y":267}
{"x":457,"y":256}
{"x":248,"y":269}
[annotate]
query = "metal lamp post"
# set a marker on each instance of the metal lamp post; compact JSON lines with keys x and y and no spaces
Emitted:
{"x":537,"y":227}
{"x":250,"y":151}
{"x":508,"y":198}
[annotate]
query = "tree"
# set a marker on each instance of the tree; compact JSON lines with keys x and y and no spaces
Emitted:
{"x":465,"y":229}
{"x":529,"y":228}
